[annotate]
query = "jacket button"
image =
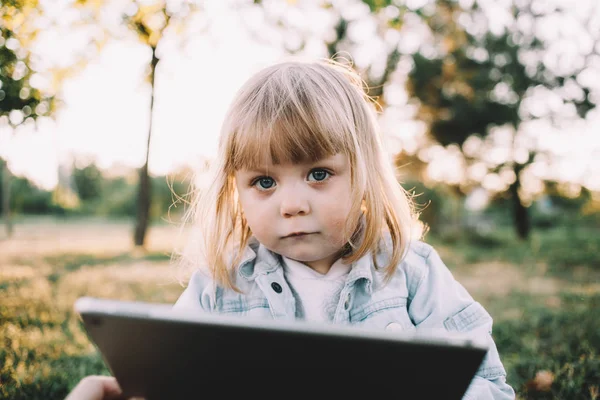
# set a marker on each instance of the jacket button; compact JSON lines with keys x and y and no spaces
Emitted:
{"x":394,"y":326}
{"x":276,"y":287}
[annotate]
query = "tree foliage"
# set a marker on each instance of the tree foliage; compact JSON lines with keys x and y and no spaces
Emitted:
{"x":21,"y":100}
{"x":20,"y":97}
{"x":471,"y":77}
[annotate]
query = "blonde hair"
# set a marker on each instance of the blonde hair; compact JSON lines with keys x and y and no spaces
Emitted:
{"x":299,"y":111}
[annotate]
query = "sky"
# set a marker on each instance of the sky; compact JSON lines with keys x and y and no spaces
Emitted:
{"x":105,"y":112}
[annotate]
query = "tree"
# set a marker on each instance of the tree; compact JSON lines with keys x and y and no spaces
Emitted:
{"x":21,"y":101}
{"x":150,"y":22}
{"x":88,"y":181}
{"x":474,"y":77}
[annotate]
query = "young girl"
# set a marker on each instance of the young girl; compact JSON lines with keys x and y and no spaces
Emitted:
{"x":305,"y":219}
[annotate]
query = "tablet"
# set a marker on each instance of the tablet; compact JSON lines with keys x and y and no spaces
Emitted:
{"x":157,"y":352}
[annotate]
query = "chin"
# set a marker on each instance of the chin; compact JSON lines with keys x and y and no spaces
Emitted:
{"x":298,"y":256}
{"x":305,"y":256}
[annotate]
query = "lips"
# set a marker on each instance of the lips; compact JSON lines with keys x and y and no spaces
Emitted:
{"x":298,"y":234}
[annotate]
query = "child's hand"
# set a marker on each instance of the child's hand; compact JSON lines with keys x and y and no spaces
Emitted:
{"x":96,"y":387}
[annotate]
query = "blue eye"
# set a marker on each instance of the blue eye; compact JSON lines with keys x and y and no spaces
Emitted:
{"x":318,"y":175}
{"x":264,"y":183}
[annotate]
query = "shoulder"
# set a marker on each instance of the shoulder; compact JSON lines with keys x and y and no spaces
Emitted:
{"x":416,"y":255}
{"x":419,"y":260}
{"x":416,"y":263}
{"x":419,"y":251}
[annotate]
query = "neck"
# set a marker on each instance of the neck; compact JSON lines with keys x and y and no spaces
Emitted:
{"x":323,"y":266}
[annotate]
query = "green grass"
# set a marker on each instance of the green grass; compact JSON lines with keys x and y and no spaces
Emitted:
{"x":562,"y":248}
{"x":552,"y":326}
{"x":565,"y":342}
{"x":44,"y":350}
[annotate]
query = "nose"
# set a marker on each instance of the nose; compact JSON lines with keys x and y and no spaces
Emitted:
{"x":293,"y":202}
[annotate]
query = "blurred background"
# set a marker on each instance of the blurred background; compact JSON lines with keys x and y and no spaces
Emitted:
{"x":109,"y":110}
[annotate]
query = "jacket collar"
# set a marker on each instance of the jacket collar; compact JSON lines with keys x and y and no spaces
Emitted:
{"x":362,"y":271}
{"x":258,"y":260}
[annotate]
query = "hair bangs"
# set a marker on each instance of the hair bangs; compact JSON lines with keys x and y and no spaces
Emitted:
{"x":280,"y":142}
{"x":289,"y":121}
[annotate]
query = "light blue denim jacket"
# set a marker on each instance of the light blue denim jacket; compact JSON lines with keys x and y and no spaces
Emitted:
{"x":421,"y":295}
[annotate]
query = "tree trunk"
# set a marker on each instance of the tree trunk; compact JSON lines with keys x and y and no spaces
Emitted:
{"x":520,"y":212}
{"x":6,"y":214}
{"x":145,"y":189}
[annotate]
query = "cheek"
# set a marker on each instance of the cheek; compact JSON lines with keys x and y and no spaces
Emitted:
{"x":254,"y":213}
{"x":254,"y":220}
{"x":337,"y":212}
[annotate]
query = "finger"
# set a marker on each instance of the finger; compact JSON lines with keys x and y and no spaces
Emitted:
{"x":96,"y":387}
{"x":110,"y":387}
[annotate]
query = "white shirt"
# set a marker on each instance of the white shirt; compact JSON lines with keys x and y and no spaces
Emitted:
{"x":317,"y":294}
